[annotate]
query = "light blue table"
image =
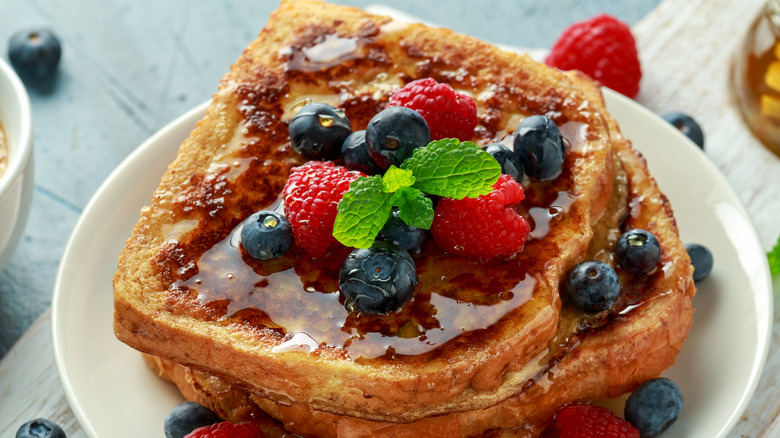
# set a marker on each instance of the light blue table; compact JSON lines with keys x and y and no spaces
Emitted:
{"x":130,"y":67}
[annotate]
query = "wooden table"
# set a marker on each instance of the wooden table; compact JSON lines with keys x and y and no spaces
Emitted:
{"x":685,"y":46}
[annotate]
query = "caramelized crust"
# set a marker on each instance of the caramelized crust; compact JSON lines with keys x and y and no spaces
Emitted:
{"x":611,"y":357}
{"x":484,"y":344}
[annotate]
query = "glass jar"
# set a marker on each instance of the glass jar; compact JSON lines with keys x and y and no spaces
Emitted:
{"x":756,"y":76}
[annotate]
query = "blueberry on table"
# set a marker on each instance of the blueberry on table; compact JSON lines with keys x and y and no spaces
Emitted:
{"x":638,"y":251}
{"x":654,"y":406}
{"x":687,"y":125}
{"x":510,"y":164}
{"x":318,"y":130}
{"x":394,"y":133}
{"x":701,"y":259}
{"x":34,"y":53}
{"x":40,"y":428}
{"x":379,"y":279}
{"x":354,"y":152}
{"x":186,"y":417}
{"x":592,"y":286}
{"x":539,"y":147}
{"x":266,"y":235}
{"x":398,"y":232}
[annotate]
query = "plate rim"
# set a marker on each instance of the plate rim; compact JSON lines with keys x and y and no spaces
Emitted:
{"x":57,"y":294}
{"x":757,"y":365}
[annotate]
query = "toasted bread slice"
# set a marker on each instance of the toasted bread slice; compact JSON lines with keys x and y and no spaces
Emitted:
{"x":184,"y":293}
{"x":605,"y":360}
{"x":477,"y":347}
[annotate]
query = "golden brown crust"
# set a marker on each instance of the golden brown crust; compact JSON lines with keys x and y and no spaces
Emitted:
{"x":633,"y":347}
{"x":237,"y":159}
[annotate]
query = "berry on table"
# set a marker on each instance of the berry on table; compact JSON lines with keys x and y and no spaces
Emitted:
{"x":318,"y":130}
{"x":354,"y":152}
{"x":449,"y":114}
{"x":687,"y":125}
{"x":186,"y":417}
{"x":40,"y":428}
{"x":604,"y":49}
{"x":34,"y":53}
{"x":510,"y":164}
{"x":578,"y":420}
{"x":654,"y":406}
{"x":379,"y":279}
{"x":486,"y":226}
{"x":266,"y":235}
{"x":701,"y":259}
{"x":311,"y":196}
{"x":592,"y":286}
{"x":538,"y":144}
{"x":226,"y":429}
{"x":394,"y":133}
{"x":638,"y":251}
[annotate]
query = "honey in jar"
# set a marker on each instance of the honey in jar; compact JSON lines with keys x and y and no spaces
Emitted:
{"x":756,"y":76}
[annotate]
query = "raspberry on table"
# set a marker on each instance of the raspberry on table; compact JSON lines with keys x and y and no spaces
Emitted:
{"x":486,"y":226}
{"x":449,"y":114}
{"x":310,"y":197}
{"x":604,"y":49}
{"x":578,"y":420}
{"x":227,"y":429}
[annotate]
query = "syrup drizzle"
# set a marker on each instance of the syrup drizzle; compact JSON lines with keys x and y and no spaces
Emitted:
{"x":300,"y":298}
{"x":333,"y":50}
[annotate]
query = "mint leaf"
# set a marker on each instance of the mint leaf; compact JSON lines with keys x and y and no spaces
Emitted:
{"x":453,"y":169}
{"x":396,"y":178}
{"x":774,"y":259}
{"x":414,"y":208}
{"x":362,"y":212}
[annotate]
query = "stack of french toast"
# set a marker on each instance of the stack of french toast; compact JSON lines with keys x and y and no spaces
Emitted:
{"x":485,"y":347}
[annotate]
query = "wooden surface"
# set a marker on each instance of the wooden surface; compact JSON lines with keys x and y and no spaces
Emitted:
{"x":153,"y":73}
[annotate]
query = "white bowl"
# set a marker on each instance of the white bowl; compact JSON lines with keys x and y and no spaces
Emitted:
{"x":16,"y":183}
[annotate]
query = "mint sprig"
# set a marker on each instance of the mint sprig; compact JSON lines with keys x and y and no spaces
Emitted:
{"x":774,"y":259}
{"x":362,"y":212}
{"x":454,"y":169}
{"x":447,"y":167}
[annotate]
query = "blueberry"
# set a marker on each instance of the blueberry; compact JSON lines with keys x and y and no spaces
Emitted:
{"x":638,"y":251}
{"x":186,"y":417}
{"x":592,"y":286}
{"x":354,"y":152}
{"x":510,"y":164}
{"x":394,"y":133}
{"x":318,"y":130}
{"x":701,"y":259}
{"x":34,"y":53}
{"x":379,"y":279}
{"x":654,"y":406}
{"x":687,"y":125}
{"x":40,"y":428}
{"x":405,"y":236}
{"x":539,"y":148}
{"x":266,"y":235}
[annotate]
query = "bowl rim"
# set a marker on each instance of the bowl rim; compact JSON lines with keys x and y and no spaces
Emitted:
{"x":17,"y":161}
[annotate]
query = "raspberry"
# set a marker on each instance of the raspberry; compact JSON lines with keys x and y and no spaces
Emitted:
{"x":227,"y":429}
{"x":310,"y":196}
{"x":449,"y":114}
{"x":579,"y":420}
{"x":486,"y":226}
{"x":604,"y":49}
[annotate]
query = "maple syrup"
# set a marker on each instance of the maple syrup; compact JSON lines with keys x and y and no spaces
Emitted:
{"x":756,"y":76}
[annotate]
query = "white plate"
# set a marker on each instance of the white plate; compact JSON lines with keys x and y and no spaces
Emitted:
{"x":114,"y":394}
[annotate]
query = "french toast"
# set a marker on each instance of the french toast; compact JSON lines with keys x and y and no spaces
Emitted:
{"x":484,"y":345}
